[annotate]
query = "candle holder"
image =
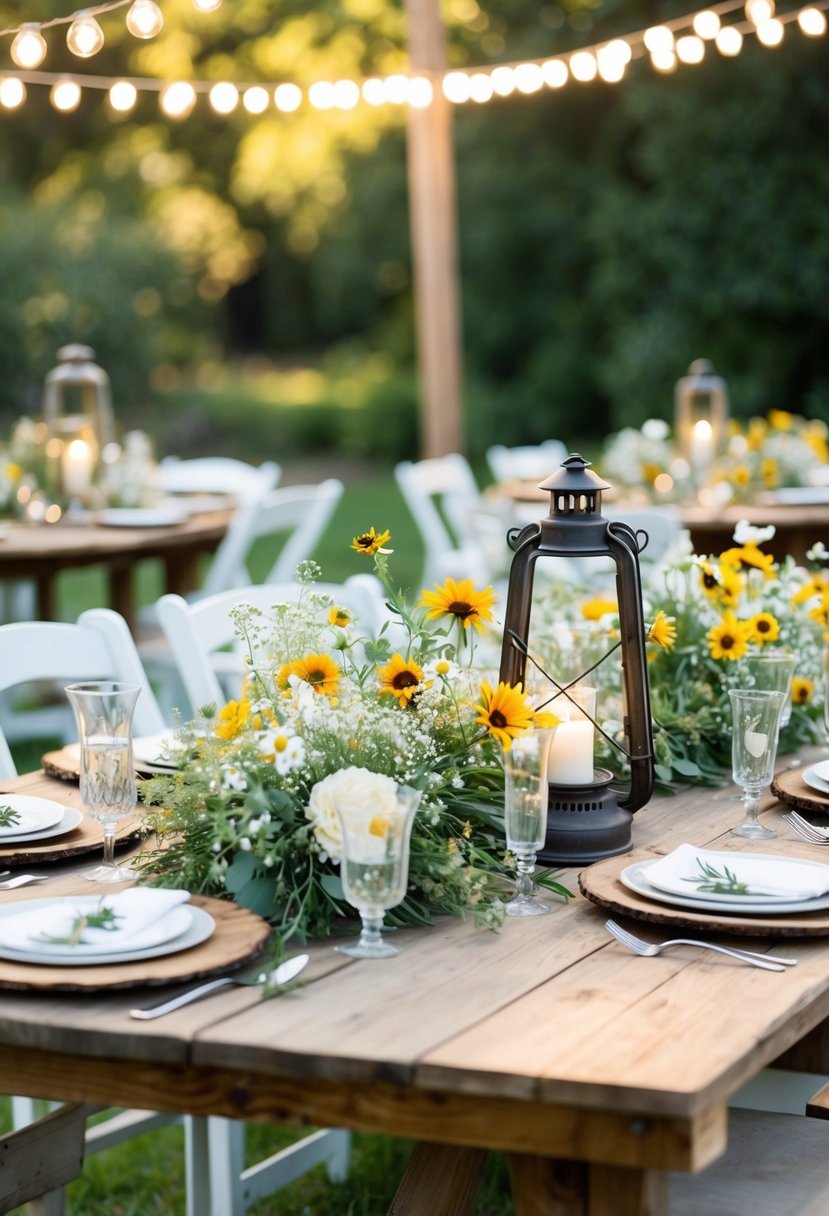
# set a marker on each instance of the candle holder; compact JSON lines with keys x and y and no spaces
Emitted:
{"x":701,"y":418}
{"x":587,"y":821}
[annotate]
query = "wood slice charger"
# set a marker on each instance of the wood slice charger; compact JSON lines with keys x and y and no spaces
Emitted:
{"x":239,"y":937}
{"x":790,"y":788}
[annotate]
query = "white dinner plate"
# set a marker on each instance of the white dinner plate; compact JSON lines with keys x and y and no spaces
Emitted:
{"x":799,"y":495}
{"x":165,"y":929}
{"x":149,"y":750}
{"x":678,"y":872}
{"x":813,"y":778}
{"x":36,"y":814}
{"x":202,"y":926}
{"x":71,"y":819}
{"x":634,"y":877}
{"x":141,"y":517}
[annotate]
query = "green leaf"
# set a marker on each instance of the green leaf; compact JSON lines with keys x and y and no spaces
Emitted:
{"x":662,"y":771}
{"x":687,"y":768}
{"x":332,"y":885}
{"x":239,"y":872}
{"x":257,"y":895}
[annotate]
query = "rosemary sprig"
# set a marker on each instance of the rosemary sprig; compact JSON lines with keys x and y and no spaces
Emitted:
{"x":8,"y":816}
{"x":718,"y":882}
{"x":100,"y":918}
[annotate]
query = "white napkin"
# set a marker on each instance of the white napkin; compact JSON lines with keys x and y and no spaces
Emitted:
{"x":773,"y":877}
{"x":138,"y":911}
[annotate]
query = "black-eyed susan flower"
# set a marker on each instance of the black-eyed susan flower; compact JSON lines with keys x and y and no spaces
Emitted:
{"x":764,"y":627}
{"x":820,"y":611}
{"x":728,"y":639}
{"x":400,"y":678}
{"x":318,"y":670}
{"x":802,"y":690}
{"x":595,"y":609}
{"x":710,"y":579}
{"x":504,"y":711}
{"x":460,"y":601}
{"x":371,"y":542}
{"x":232,"y":719}
{"x":662,"y":631}
{"x":339,"y":617}
{"x":749,"y":557}
{"x":731,"y":585}
{"x":816,"y":584}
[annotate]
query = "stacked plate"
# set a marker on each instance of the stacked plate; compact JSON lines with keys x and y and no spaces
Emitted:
{"x":817,"y":777}
{"x":31,"y":820}
{"x":739,"y":884}
{"x":156,"y":753}
{"x":145,"y":923}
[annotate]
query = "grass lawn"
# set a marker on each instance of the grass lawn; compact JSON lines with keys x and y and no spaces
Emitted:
{"x":145,"y":1176}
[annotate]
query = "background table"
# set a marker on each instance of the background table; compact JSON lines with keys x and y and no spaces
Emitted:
{"x":41,"y":553}
{"x":548,"y":1041}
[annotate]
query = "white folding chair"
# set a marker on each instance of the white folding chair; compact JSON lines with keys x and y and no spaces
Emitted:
{"x":527,"y":462}
{"x":216,"y":475}
{"x":298,"y":513}
{"x":461,"y":536}
{"x":198,"y":631}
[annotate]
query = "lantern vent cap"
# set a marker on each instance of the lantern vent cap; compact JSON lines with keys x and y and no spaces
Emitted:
{"x":574,"y":477}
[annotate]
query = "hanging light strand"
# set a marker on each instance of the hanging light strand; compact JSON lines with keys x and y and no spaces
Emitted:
{"x":665,"y":44}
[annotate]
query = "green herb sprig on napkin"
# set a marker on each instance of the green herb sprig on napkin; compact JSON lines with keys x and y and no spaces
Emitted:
{"x":718,"y":882}
{"x":101,"y":918}
{"x":8,"y":816}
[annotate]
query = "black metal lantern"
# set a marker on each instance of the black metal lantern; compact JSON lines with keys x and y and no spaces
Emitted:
{"x":588,"y":821}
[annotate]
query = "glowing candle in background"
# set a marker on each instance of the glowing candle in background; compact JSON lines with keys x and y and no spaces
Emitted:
{"x":702,"y":447}
{"x":76,"y":468}
{"x":570,"y":758}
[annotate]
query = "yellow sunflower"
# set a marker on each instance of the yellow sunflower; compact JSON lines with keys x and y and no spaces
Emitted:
{"x":400,"y":678}
{"x":595,"y":609}
{"x":763,"y":628}
{"x":728,"y":640}
{"x":770,"y":472}
{"x":820,"y":612}
{"x":802,"y":690}
{"x":504,"y":711}
{"x":318,"y":670}
{"x":780,"y":420}
{"x":233,"y":718}
{"x":460,"y":601}
{"x":749,"y":557}
{"x":663,"y":631}
{"x":731,"y":585}
{"x":371,"y":542}
{"x":816,"y":584}
{"x":339,"y":617}
{"x":709,"y":578}
{"x":741,"y":475}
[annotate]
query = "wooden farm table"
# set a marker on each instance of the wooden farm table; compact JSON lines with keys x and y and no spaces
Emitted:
{"x":42,"y":552}
{"x":594,"y":1069}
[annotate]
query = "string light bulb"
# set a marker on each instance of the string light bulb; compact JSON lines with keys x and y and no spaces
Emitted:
{"x":690,"y":49}
{"x":224,"y":97}
{"x":256,"y":99}
{"x":12,"y":92}
{"x":759,"y":11}
{"x":65,"y":96}
{"x":287,"y":97}
{"x":729,"y":41}
{"x":207,"y":6}
{"x":812,"y":22}
{"x":480,"y":87}
{"x":659,"y":40}
{"x":29,"y":47}
{"x":770,"y":33}
{"x":144,"y":19}
{"x":422,"y":92}
{"x":663,"y":61}
{"x":706,"y":25}
{"x":556,"y":73}
{"x":457,"y":87}
{"x":84,"y":36}
{"x":583,"y":67}
{"x":529,"y":78}
{"x":503,"y":80}
{"x":177,"y":99}
{"x":123,"y":96}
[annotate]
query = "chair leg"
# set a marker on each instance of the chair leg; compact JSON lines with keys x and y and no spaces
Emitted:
{"x":197,"y":1166}
{"x":226,"y":1141}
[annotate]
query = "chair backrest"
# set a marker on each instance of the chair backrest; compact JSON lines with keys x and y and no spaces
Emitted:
{"x":98,"y":647}
{"x":216,"y":475}
{"x":526,"y":462}
{"x":446,"y":506}
{"x":303,"y":512}
{"x":197,"y":630}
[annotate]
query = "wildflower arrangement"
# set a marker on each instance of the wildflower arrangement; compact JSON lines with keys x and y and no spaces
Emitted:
{"x":708,"y":618}
{"x":762,"y":454}
{"x":328,"y":716}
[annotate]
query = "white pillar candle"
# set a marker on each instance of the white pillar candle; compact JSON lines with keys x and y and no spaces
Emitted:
{"x":570,"y":758}
{"x":76,"y":468}
{"x":702,"y":446}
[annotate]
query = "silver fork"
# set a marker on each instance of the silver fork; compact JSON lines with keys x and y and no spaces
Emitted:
{"x":769,"y":962}
{"x":806,"y":830}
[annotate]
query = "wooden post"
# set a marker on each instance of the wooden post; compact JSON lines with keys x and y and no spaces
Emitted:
{"x":434,"y":239}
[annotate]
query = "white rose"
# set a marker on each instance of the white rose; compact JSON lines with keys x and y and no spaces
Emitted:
{"x":354,"y":792}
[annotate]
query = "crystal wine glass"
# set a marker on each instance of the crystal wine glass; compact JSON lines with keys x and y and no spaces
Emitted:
{"x":525,"y":814}
{"x":375,"y":865}
{"x":103,"y":713}
{"x":755,"y":728}
{"x":773,"y":670}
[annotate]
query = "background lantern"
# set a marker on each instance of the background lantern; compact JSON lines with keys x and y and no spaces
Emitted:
{"x":701,"y":417}
{"x":77,"y":411}
{"x":587,"y":819}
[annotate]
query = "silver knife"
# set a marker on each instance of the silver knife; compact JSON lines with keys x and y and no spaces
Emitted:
{"x":283,"y":974}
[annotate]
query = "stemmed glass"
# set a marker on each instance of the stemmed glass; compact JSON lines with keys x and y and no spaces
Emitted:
{"x":375,"y":865}
{"x":773,"y":670}
{"x":755,"y":728}
{"x":525,"y":814}
{"x":103,"y":713}
{"x":826,"y":693}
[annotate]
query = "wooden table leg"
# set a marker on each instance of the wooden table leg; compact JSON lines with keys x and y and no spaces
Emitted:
{"x":614,"y":1190}
{"x":440,"y":1180}
{"x":542,"y":1186}
{"x":181,"y":571}
{"x":122,"y":592}
{"x":46,"y":603}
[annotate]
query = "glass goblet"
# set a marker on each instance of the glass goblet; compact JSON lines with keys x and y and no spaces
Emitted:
{"x":826,"y":694}
{"x":755,"y":728}
{"x":375,"y":865}
{"x":773,"y":671}
{"x":103,"y":713}
{"x":525,"y":814}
